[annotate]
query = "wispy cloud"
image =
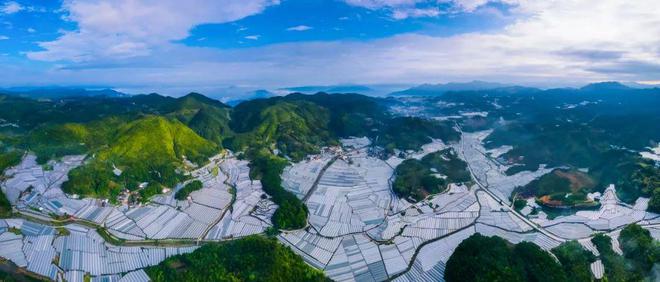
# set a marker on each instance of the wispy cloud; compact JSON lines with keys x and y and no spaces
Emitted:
{"x":404,"y":13}
{"x":550,"y":42}
{"x":253,"y":37}
{"x":3,"y":37}
{"x":299,"y":28}
{"x":11,"y":7}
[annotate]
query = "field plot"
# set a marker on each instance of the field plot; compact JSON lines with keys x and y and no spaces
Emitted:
{"x":47,"y":252}
{"x":228,"y":205}
{"x":352,"y":196}
{"x":358,"y":229}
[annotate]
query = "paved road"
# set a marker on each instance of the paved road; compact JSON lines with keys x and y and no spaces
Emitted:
{"x":512,"y":210}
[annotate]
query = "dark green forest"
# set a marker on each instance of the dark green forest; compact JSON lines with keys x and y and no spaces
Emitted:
{"x":416,"y":179}
{"x":254,"y":258}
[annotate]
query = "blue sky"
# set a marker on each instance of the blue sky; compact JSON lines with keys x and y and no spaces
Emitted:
{"x":214,"y":45}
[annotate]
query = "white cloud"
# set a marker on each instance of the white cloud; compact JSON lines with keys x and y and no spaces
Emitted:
{"x":253,"y":37}
{"x":377,"y":4}
{"x":404,"y":13}
{"x":554,"y":43}
{"x":129,"y":28}
{"x":3,"y":37}
{"x":299,"y":28}
{"x":31,"y":30}
{"x":11,"y":7}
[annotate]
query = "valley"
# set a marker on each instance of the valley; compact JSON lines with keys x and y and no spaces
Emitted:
{"x":317,"y":174}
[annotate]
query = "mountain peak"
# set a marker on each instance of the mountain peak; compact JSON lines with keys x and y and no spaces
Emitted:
{"x":605,"y":86}
{"x":195,"y":97}
{"x":440,"y":88}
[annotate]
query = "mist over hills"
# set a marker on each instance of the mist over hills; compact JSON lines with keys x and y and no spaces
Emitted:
{"x":60,"y":92}
{"x":233,"y":96}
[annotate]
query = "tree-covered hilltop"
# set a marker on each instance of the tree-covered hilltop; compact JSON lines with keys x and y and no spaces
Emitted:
{"x":295,"y":128}
{"x":190,"y":187}
{"x":416,"y":179}
{"x":148,"y":138}
{"x":298,"y":125}
{"x":254,"y":258}
{"x":291,"y":212}
{"x":150,"y":149}
{"x":640,"y":254}
{"x":640,"y":249}
{"x":481,"y":258}
{"x":597,"y":131}
{"x":575,"y":261}
{"x":561,"y":188}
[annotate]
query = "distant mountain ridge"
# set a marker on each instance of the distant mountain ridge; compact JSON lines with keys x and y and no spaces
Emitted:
{"x":61,"y":92}
{"x":440,"y":88}
{"x":606,"y":86}
{"x":330,"y":89}
{"x":427,"y":90}
{"x":257,"y":94}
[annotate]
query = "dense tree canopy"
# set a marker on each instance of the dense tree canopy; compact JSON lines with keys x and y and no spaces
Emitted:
{"x":254,"y":258}
{"x":416,"y":179}
{"x":190,"y":187}
{"x":292,"y":212}
{"x":481,"y":258}
{"x":575,"y":260}
{"x":639,"y":248}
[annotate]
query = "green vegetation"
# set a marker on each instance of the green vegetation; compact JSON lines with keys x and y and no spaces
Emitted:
{"x":410,"y":133}
{"x":151,"y":138}
{"x":575,"y":260}
{"x":639,"y":248}
{"x":615,"y":265}
{"x":295,"y":128}
{"x":152,"y":189}
{"x":416,"y":179}
{"x":150,"y":149}
{"x":16,"y":275}
{"x":561,"y":188}
{"x":292,"y":212}
{"x":192,"y":186}
{"x":578,"y":129}
{"x":648,"y":178}
{"x":640,"y":253}
{"x":537,"y":264}
{"x":5,"y":206}
{"x":253,"y":258}
{"x":297,"y":125}
{"x":61,"y":231}
{"x":481,"y":258}
{"x":9,"y":159}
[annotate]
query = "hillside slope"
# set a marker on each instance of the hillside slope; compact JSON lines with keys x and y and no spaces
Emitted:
{"x":150,"y":149}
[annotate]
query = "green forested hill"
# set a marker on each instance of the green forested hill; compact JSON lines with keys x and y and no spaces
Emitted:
{"x":207,"y":117}
{"x":148,"y":136}
{"x":149,"y":149}
{"x":416,"y":179}
{"x":295,"y":128}
{"x":297,"y":125}
{"x":253,"y":258}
